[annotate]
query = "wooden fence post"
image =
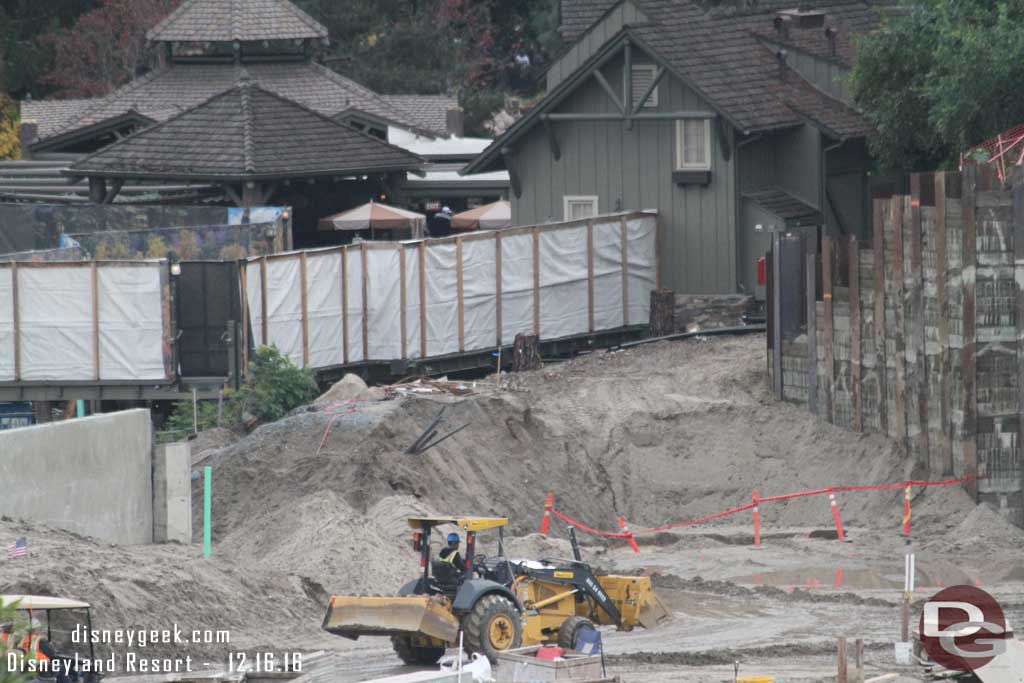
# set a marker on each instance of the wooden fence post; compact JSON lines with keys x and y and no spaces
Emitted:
{"x":899,"y":322}
{"x":777,"y":317}
{"x":942,"y":294}
{"x":812,"y":331}
{"x":829,"y":333}
{"x":919,"y":382}
{"x":878,"y":245}
{"x":968,"y":352}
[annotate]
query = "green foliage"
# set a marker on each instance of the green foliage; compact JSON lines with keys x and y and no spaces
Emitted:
{"x":277,"y":387}
{"x":8,"y":614}
{"x":10,"y":142}
{"x":940,"y":77}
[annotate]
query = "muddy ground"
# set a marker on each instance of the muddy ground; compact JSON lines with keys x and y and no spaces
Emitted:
{"x":314,"y":505}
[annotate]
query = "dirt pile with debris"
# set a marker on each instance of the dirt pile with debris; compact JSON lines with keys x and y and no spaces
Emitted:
{"x":315,"y":503}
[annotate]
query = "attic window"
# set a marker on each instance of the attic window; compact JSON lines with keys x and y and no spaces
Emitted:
{"x":643,"y":76}
{"x":693,"y":145}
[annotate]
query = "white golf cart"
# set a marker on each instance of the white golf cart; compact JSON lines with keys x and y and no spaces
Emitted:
{"x":60,"y":619}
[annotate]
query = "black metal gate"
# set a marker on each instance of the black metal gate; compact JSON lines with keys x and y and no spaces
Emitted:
{"x":208,"y":306}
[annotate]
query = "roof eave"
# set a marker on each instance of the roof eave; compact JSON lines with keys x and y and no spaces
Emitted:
{"x":234,"y":177}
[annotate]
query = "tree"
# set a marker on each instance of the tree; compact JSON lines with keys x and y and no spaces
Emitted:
{"x":940,"y":76}
{"x":23,"y":57}
{"x":105,"y":48}
{"x":10,"y":141}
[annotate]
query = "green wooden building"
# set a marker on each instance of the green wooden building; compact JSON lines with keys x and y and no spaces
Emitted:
{"x":730,"y":118}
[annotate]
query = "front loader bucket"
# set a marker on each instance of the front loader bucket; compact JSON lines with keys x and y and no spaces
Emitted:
{"x":354,"y":616}
{"x":653,"y":613}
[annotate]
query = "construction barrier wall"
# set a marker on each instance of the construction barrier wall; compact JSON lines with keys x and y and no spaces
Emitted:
{"x":918,"y":332}
{"x":379,"y":301}
{"x":92,"y":476}
{"x":85,"y":321}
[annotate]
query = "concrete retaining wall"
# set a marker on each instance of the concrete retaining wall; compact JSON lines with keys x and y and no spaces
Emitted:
{"x":92,"y":476}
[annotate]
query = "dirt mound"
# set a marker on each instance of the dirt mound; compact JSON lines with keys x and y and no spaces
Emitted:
{"x":350,"y":388}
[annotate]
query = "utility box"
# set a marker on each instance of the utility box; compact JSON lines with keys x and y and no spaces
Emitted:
{"x":517,"y":666}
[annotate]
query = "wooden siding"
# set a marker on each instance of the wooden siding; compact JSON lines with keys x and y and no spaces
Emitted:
{"x":827,"y":76}
{"x":592,"y":41}
{"x":789,"y":159}
{"x":632,"y":170}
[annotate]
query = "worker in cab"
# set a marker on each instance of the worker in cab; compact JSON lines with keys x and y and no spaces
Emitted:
{"x":450,"y":554}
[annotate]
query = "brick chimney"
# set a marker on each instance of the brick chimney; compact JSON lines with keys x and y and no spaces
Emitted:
{"x":28,"y":135}
{"x":455,"y":122}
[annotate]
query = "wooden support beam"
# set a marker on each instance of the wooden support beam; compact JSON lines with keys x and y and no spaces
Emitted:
{"x":304,"y":300}
{"x":899,"y":322}
{"x":968,"y":359}
{"x":625,"y":270}
{"x":94,"y":285}
{"x":841,"y":663}
{"x":263,"y":301}
{"x":115,"y":189}
{"x":1017,"y":217}
{"x":459,"y":287}
{"x":829,"y":332}
{"x":724,"y":138}
{"x":244,"y":279}
{"x":919,"y":383}
{"x":497,"y":287}
{"x":422,"y":255}
{"x":366,"y":304}
{"x":590,"y":276}
{"x":659,"y":73}
{"x":855,"y":334}
{"x":603,"y":82}
{"x":878,"y":249}
{"x":402,"y":301}
{"x":536,"y":281}
{"x":942,"y":295}
{"x":344,"y":303}
{"x":627,"y":83}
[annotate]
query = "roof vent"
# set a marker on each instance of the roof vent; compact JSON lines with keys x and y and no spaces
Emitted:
{"x":781,"y":55}
{"x":804,"y":17}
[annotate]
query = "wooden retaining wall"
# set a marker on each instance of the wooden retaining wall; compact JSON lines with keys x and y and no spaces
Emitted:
{"x":918,"y":333}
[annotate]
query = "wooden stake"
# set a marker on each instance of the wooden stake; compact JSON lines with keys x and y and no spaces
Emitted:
{"x":497,"y":288}
{"x":423,"y":298}
{"x":858,"y":660}
{"x":536,"y":281}
{"x":303,"y":295}
{"x":590,"y":276}
{"x":344,"y":303}
{"x":459,"y":294}
{"x":366,"y":305}
{"x":855,"y":330}
{"x":401,"y":276}
{"x":841,"y":673}
{"x":94,"y":283}
{"x":263,"y":300}
{"x":625,"y":272}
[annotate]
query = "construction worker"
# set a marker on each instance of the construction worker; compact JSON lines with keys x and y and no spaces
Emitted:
{"x":36,"y":647}
{"x":450,"y":554}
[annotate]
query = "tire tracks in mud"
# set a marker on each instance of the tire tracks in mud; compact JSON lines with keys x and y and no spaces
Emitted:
{"x":727,"y":588}
{"x":731,"y":655}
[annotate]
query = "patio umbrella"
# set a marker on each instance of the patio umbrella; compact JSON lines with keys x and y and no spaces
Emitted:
{"x":374,"y":216}
{"x":486,"y":217}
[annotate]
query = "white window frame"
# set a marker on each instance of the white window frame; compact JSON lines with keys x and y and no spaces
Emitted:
{"x":652,"y":101}
{"x":571,"y":198}
{"x":681,"y":139}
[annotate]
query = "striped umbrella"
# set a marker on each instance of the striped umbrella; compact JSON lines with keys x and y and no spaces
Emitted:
{"x":374,"y":216}
{"x":487,"y":217}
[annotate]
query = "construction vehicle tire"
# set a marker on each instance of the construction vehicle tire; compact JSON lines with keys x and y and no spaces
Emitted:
{"x":415,"y":655}
{"x":493,"y":626}
{"x":568,"y":630}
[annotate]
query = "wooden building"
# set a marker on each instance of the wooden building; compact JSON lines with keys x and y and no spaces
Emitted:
{"x":730,"y":118}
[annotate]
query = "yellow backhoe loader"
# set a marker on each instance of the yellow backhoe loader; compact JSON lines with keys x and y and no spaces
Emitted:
{"x":498,"y":603}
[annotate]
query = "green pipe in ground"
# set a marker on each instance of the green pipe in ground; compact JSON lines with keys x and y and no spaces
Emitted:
{"x":207,"y":499}
{"x":80,"y":408}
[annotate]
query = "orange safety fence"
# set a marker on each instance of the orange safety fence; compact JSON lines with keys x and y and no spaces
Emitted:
{"x":627,"y":534}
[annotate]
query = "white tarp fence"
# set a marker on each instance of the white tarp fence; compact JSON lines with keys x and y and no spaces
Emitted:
{"x":384,"y":301}
{"x":84,"y":321}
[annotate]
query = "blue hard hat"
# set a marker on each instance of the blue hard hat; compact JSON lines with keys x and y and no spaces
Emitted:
{"x":453,"y":537}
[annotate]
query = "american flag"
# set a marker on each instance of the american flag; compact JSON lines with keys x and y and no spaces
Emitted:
{"x":17,"y":549}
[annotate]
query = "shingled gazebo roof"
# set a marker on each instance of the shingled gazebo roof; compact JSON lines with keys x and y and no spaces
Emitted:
{"x":246,"y":133}
{"x":242,"y":20}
